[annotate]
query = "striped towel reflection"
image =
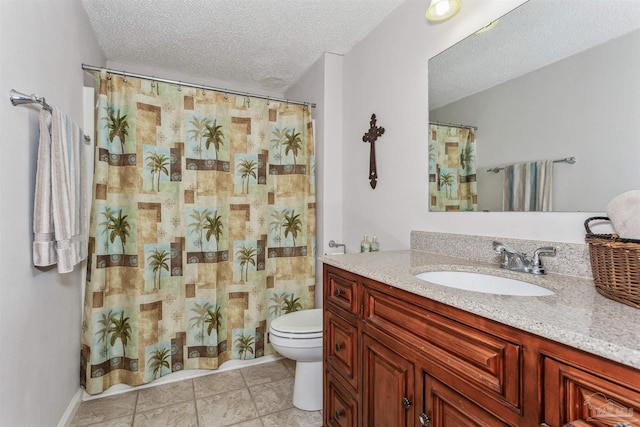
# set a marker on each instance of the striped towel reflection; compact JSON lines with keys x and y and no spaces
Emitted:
{"x":528,"y":186}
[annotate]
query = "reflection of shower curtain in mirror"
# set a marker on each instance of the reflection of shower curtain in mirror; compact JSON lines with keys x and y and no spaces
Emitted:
{"x":452,"y":169}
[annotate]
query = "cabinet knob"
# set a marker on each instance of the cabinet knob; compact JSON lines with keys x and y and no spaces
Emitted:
{"x":406,"y":403}
{"x":425,"y":420}
{"x":338,"y":347}
{"x":337,"y":292}
{"x":338,"y":414}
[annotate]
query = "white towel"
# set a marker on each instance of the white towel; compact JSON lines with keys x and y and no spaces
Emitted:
{"x":44,"y":251}
{"x":624,"y":213}
{"x":60,"y":217}
{"x":528,"y":186}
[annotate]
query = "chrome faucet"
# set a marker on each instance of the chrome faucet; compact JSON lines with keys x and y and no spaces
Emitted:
{"x":517,"y":261}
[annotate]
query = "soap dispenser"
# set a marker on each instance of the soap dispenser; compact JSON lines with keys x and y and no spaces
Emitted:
{"x":365,"y":245}
{"x":375,"y":246}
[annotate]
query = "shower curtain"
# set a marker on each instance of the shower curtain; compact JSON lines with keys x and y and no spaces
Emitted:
{"x":452,"y":169}
{"x":202,"y":229}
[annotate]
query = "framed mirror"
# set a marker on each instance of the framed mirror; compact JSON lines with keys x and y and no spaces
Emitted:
{"x":551,"y":80}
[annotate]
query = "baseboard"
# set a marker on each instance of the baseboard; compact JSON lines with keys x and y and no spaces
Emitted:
{"x":72,"y":408}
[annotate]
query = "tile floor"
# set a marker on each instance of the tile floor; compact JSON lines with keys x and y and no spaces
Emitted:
{"x":254,"y":396}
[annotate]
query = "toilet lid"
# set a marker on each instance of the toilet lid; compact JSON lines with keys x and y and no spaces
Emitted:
{"x":304,"y":323}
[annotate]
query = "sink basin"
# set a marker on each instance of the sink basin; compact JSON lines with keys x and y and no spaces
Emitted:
{"x":486,"y":283}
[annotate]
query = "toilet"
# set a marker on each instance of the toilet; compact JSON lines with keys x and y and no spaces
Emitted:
{"x":298,"y":336}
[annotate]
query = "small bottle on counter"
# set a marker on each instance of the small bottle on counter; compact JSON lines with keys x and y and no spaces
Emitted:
{"x":375,"y":246}
{"x":365,"y":245}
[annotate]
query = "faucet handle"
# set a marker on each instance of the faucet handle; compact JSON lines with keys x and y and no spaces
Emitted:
{"x":536,"y":262}
{"x":545,"y":250}
{"x":499,"y":247}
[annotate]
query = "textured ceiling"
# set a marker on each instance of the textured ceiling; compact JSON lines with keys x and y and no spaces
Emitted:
{"x":535,"y":34}
{"x":265,"y":44}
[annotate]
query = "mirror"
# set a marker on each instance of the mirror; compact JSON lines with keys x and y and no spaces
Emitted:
{"x":552,"y":80}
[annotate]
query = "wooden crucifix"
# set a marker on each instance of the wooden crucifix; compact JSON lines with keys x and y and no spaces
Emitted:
{"x":371,"y":136}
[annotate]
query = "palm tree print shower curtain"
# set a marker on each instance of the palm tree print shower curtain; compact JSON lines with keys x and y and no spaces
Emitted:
{"x":203,"y":229}
{"x":452,"y":169}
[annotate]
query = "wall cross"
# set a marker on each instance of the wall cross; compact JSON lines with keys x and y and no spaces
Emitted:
{"x":371,"y":136}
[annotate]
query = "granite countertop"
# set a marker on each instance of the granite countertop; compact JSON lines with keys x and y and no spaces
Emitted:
{"x":576,"y":315}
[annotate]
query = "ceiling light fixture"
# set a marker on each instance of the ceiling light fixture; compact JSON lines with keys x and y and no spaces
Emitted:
{"x":487,"y":27}
{"x":440,"y":10}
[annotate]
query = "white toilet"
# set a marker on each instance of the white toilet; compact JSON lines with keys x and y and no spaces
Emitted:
{"x":298,"y":336}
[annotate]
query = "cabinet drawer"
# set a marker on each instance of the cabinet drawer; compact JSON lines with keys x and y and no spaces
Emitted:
{"x":341,"y":349}
{"x":456,"y":350}
{"x":340,"y":407}
{"x":340,"y":289}
{"x":578,"y":398}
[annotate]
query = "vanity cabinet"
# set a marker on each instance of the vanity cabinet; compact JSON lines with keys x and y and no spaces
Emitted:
{"x":393,"y":358}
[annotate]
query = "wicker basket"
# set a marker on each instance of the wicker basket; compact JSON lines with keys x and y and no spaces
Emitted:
{"x":615,"y":263}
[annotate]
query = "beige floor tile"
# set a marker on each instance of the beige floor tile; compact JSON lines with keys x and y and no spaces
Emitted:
{"x":226,"y":409}
{"x":117,"y":422}
{"x":293,"y":417}
{"x":106,"y":409}
{"x":265,"y":372}
{"x":291,"y":365}
{"x":179,"y":415}
{"x":251,"y":423}
{"x":163,"y":395}
{"x":274,"y":396}
{"x":218,"y":383}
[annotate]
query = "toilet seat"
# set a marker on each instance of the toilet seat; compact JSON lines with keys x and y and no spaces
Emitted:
{"x":301,"y":325}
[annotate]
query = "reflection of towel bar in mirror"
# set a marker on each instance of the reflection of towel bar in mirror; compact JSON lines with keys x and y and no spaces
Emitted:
{"x":570,"y":160}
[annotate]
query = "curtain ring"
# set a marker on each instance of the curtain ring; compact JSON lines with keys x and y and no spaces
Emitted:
{"x":124,"y":78}
{"x":226,"y":96}
{"x":248,"y":101}
{"x":267,"y":100}
{"x":203,"y":92}
{"x":179,"y":86}
{"x":108,"y":76}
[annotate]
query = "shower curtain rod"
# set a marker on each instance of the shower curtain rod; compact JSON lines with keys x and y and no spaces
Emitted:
{"x":193,"y":85}
{"x":453,"y":125}
{"x":570,"y":160}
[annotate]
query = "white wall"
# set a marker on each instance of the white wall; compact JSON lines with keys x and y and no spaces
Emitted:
{"x":517,"y":122}
{"x":322,"y":85}
{"x":386,"y":74}
{"x":43,"y":46}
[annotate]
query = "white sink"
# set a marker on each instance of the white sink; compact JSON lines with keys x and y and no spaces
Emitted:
{"x":478,"y":282}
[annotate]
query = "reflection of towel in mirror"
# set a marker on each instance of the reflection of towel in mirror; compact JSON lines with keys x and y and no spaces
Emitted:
{"x":60,"y":205}
{"x":528,"y":186}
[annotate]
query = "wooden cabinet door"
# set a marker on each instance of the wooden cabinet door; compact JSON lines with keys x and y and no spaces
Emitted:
{"x":388,"y":393}
{"x":574,"y":397}
{"x":446,"y":408}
